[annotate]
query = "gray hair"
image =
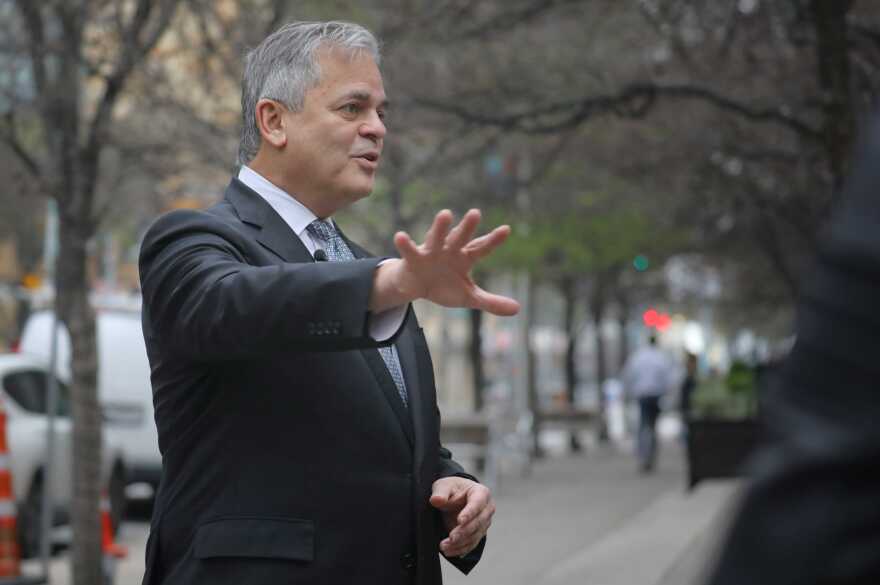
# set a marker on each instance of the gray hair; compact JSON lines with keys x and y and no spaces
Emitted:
{"x":285,"y":66}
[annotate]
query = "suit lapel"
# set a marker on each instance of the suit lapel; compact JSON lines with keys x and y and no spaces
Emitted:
{"x":383,"y":377}
{"x":406,"y":352}
{"x":273,"y":233}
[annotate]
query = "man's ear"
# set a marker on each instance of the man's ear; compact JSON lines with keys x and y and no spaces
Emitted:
{"x":270,"y":121}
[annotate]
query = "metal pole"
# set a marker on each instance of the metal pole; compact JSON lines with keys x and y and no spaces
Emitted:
{"x":51,"y":409}
{"x":51,"y":397}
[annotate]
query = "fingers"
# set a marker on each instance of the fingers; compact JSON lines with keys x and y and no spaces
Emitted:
{"x":441,"y":490}
{"x":464,"y":231}
{"x":485,"y":245}
{"x":437,"y":233}
{"x":495,"y":304}
{"x":478,"y":498}
{"x":405,"y":245}
{"x":440,"y":237}
{"x":451,"y":502}
{"x":470,"y":516}
{"x":472,"y":523}
{"x":447,"y":494}
{"x":466,"y":537}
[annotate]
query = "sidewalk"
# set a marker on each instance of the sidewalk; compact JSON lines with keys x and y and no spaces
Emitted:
{"x":592,"y":519}
{"x":578,"y":519}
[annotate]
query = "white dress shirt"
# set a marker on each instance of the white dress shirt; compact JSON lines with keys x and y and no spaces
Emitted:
{"x":296,"y":215}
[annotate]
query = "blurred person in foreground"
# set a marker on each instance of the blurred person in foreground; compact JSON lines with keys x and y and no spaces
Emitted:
{"x":293,"y":388}
{"x":647,"y":376}
{"x":811,"y":514}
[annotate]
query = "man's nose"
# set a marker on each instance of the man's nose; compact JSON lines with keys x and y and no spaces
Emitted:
{"x":373,"y":128}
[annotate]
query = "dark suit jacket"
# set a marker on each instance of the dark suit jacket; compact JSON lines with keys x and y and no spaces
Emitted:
{"x":288,"y":456}
{"x":812,"y":514}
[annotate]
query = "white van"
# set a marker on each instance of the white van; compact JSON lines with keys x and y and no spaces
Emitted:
{"x":123,"y":387}
{"x":23,"y":384}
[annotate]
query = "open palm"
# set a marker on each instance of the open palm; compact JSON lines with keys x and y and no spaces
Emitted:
{"x":439,"y":270}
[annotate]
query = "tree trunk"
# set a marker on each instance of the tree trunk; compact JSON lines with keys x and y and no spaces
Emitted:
{"x":77,"y":169}
{"x":598,"y":312}
{"x":838,"y":127}
{"x":531,"y":379}
{"x":76,"y":312}
{"x":622,"y":320}
{"x":475,"y":350}
{"x":567,"y":287}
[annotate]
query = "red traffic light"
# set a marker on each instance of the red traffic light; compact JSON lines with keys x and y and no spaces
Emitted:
{"x":655,"y":319}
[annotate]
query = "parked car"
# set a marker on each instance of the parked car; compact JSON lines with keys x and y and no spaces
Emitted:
{"x":23,"y":380}
{"x":123,"y":386}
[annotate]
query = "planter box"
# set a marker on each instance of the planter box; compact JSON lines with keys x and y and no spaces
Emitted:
{"x":718,"y":448}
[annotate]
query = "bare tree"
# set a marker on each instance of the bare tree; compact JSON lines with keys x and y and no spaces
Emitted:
{"x":776,"y":88}
{"x":66,"y":61}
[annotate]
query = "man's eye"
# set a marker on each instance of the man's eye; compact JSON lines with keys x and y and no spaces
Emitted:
{"x":351,"y":108}
{"x":382,"y":115}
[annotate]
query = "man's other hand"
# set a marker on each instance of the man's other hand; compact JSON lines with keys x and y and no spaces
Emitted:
{"x":467,"y":509}
{"x":439,"y":270}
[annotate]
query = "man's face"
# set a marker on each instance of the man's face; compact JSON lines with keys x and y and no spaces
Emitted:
{"x":335,"y":141}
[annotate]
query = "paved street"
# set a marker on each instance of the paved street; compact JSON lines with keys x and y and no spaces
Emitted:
{"x":576,"y":519}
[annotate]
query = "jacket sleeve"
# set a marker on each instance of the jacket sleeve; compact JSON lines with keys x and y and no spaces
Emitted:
{"x":811,"y":514}
{"x":204,"y":299}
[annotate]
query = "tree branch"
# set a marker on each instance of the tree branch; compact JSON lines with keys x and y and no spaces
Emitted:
{"x":866,"y":32}
{"x":664,"y":28}
{"x":458,"y":158}
{"x":18,"y":149}
{"x":133,"y":52}
{"x":451,"y":15}
{"x":31,"y":165}
{"x":634,"y":101}
{"x":546,"y":164}
{"x":33,"y":21}
{"x":505,"y":21}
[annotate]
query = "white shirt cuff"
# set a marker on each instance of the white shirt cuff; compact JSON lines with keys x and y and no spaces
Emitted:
{"x":385,"y":324}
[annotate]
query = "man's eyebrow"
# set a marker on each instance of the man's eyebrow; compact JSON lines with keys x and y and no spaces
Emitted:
{"x":362,"y":96}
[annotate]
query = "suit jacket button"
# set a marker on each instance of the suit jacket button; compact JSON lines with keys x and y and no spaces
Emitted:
{"x":408,"y":561}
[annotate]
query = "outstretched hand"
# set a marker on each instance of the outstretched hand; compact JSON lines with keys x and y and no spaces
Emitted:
{"x":439,"y":270}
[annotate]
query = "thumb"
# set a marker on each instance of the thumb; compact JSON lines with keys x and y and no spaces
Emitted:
{"x":445,"y":495}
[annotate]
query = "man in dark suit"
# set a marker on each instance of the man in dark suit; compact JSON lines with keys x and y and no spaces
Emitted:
{"x":294,"y":392}
{"x":812,"y":513}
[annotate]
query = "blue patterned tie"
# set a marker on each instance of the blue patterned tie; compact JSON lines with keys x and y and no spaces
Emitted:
{"x":337,"y":250}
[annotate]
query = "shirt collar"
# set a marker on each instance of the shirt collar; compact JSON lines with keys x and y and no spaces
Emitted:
{"x":295,"y":214}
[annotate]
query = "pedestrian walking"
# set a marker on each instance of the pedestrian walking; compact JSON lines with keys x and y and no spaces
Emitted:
{"x":293,"y":388}
{"x":647,"y":376}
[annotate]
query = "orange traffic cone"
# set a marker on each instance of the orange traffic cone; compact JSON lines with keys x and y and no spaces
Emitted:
{"x":109,"y":546}
{"x":112,"y":550}
{"x":10,"y":555}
